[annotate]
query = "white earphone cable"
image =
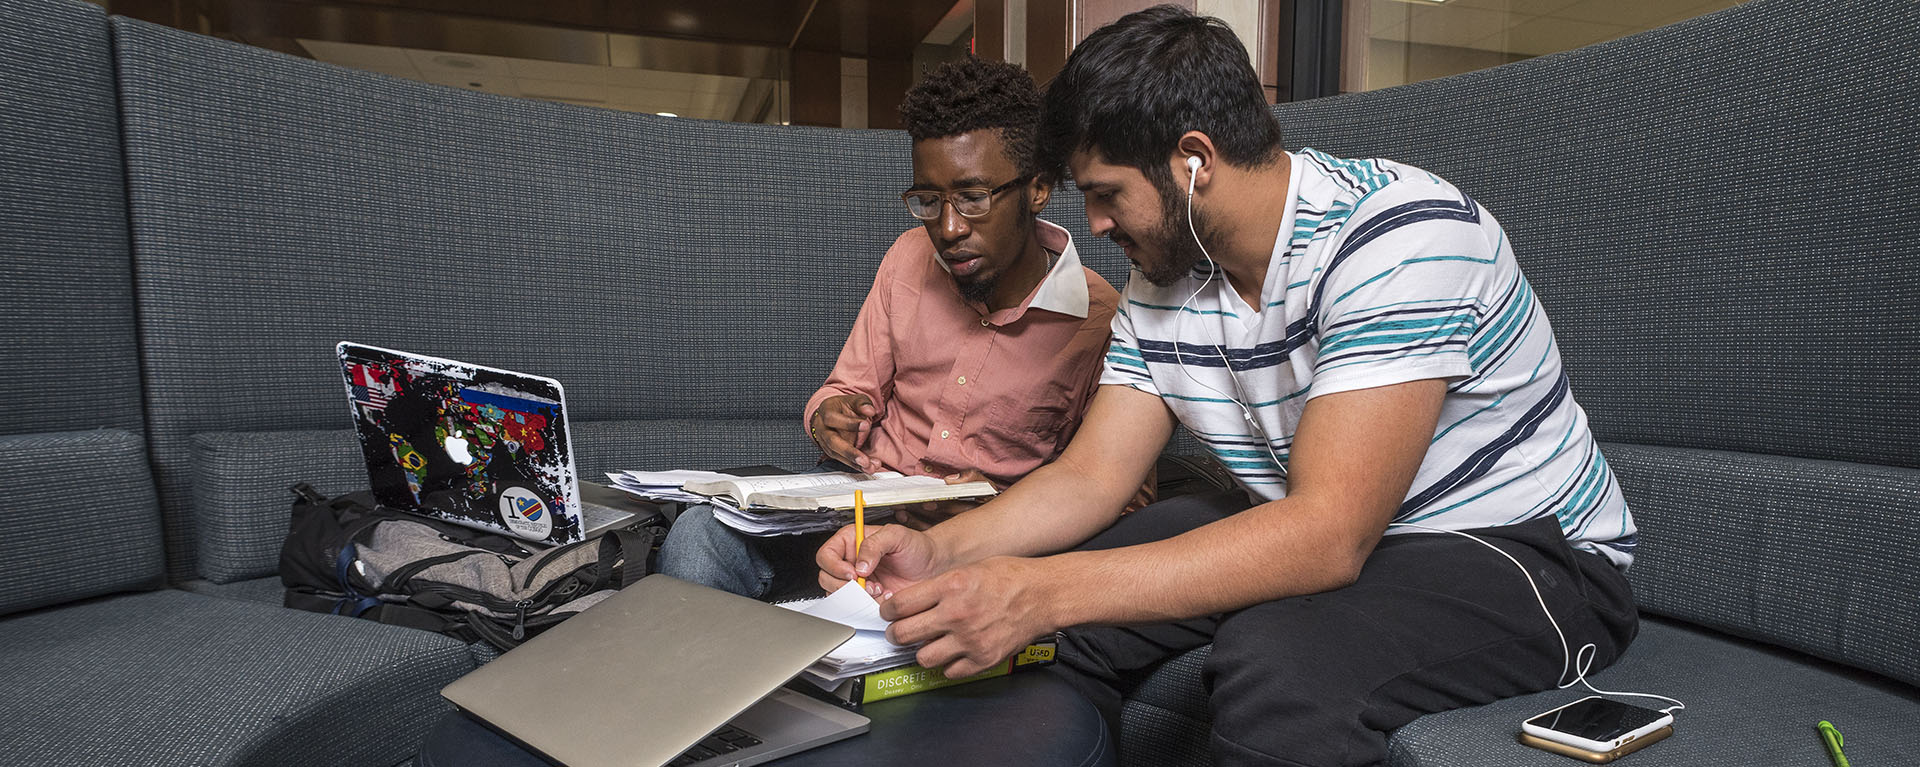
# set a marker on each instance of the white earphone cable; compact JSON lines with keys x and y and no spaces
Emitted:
{"x":1569,"y":661}
{"x":1246,"y":408}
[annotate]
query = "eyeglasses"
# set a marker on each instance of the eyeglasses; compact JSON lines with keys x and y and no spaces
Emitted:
{"x":926,"y":204}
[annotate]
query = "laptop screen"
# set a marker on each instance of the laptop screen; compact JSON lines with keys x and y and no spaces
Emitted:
{"x":467,"y":444}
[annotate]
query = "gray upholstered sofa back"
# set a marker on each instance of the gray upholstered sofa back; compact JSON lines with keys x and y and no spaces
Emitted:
{"x":1713,"y":212}
{"x":1719,"y":218}
{"x":690,"y":283}
{"x":76,"y":498}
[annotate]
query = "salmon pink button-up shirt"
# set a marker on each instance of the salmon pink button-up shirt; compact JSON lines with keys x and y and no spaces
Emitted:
{"x":959,"y":387}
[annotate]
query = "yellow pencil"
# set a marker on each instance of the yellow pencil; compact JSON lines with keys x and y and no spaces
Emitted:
{"x":859,"y":529}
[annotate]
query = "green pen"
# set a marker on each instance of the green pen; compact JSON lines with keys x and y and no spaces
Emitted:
{"x":1834,"y":741}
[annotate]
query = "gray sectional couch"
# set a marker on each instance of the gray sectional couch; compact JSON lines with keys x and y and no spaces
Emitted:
{"x":1719,"y":216}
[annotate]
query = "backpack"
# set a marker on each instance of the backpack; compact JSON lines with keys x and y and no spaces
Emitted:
{"x":347,"y":555}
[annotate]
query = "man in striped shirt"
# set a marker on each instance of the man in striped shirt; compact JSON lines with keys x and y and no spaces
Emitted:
{"x":1355,"y":340}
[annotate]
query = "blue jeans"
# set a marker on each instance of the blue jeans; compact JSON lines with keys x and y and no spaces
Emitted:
{"x":701,"y":549}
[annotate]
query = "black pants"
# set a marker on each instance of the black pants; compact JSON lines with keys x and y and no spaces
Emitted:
{"x":1434,"y":622}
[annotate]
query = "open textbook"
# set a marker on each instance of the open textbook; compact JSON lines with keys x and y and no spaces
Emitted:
{"x":806,"y":492}
{"x":791,"y":504}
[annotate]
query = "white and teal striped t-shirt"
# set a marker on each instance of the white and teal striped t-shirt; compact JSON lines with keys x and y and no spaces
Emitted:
{"x":1382,"y":274}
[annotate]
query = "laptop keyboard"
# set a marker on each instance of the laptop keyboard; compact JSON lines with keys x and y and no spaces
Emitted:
{"x":594,"y":516}
{"x":726,"y":741}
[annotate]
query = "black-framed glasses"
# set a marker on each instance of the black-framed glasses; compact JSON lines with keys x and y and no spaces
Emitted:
{"x":925,"y":204}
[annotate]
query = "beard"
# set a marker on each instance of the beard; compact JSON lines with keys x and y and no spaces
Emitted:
{"x":976,"y":291}
{"x":1179,"y":253}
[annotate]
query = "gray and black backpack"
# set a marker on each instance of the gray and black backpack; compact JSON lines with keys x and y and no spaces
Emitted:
{"x":348,"y":555}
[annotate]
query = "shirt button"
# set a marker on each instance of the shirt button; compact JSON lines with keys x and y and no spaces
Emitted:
{"x":963,"y":380}
{"x":943,"y":435}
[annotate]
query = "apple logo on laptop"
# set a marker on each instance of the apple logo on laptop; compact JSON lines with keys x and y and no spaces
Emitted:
{"x":457,"y":449}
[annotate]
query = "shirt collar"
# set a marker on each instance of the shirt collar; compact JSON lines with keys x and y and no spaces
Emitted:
{"x":1064,"y":290}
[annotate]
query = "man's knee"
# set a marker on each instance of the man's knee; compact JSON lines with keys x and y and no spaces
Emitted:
{"x":1290,"y":683}
{"x":695,"y":533}
{"x":701,"y":549}
{"x":1292,"y":652}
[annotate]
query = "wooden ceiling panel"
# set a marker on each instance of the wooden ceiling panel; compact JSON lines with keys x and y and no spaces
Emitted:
{"x":884,"y":29}
{"x":859,"y":28}
{"x":760,"y":22}
{"x":756,"y":22}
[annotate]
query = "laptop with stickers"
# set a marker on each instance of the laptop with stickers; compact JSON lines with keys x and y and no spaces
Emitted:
{"x":472,"y":445}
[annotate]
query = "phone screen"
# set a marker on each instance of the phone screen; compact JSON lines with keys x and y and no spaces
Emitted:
{"x":1596,"y":719}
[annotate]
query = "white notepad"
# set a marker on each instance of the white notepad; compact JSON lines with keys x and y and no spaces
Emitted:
{"x":869,"y":649}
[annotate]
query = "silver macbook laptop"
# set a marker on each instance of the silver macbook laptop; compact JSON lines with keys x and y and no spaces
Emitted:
{"x":663,"y":673}
{"x":472,"y":445}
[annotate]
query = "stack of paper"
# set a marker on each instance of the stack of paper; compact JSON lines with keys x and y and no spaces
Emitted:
{"x":770,"y":522}
{"x":664,"y":485}
{"x":728,"y":493}
{"x":868,"y":650}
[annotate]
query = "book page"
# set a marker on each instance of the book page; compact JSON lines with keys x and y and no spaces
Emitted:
{"x":740,"y":488}
{"x":849,"y":606}
{"x":673,"y":478}
{"x":877,"y":492}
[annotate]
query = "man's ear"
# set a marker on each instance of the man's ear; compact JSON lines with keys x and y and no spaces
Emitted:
{"x":1039,"y":192}
{"x":1193,"y":145}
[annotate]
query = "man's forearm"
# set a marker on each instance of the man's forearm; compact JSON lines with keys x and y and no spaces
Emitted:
{"x":1273,"y":551}
{"x":1052,"y":509}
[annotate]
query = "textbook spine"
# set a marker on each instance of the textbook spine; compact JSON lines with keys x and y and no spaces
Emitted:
{"x":907,"y":680}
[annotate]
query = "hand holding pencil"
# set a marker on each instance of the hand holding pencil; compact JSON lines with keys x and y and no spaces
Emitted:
{"x":884,"y":560}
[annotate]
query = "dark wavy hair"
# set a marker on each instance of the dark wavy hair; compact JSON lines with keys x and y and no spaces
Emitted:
{"x":1134,"y":86}
{"x":973,"y":94}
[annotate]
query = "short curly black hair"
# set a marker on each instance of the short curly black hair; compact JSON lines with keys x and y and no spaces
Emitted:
{"x":974,"y":94}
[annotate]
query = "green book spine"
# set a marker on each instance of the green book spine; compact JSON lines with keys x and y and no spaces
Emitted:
{"x":893,"y":683}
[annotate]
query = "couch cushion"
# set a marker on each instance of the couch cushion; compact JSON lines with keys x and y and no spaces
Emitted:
{"x":1818,"y":556}
{"x":1717,"y":215}
{"x":267,"y":591}
{"x":69,"y":354}
{"x":1166,"y":720}
{"x":241,"y":494}
{"x":80,"y":516}
{"x":240,"y":479}
{"x":172,"y":678}
{"x":1747,"y":704}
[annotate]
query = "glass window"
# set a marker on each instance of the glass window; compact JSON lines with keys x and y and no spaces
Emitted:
{"x":1408,"y":41}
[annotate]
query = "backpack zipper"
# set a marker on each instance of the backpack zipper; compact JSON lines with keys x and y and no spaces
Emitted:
{"x":520,"y":619}
{"x":401,"y":575}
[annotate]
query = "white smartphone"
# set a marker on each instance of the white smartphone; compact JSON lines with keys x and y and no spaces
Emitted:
{"x":1596,"y":724}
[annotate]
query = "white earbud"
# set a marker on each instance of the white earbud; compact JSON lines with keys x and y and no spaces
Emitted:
{"x":1193,"y":168}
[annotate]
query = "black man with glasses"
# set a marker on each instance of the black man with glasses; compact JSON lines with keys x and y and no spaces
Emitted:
{"x":978,"y":347}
